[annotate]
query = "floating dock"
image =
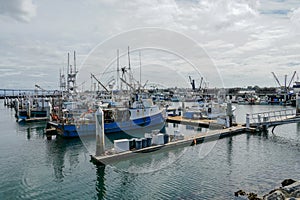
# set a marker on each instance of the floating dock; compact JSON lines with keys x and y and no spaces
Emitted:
{"x":193,"y":122}
{"x":255,"y":122}
{"x":187,"y":141}
{"x":36,"y":119}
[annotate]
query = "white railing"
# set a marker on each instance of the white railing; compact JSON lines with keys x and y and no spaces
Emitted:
{"x":270,"y":116}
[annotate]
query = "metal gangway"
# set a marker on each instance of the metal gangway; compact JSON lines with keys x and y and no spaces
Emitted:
{"x":264,"y":120}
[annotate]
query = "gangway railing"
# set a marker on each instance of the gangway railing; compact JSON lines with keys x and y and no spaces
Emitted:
{"x":270,"y":118}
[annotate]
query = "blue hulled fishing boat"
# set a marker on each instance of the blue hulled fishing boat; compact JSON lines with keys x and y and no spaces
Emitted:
{"x":142,"y":116}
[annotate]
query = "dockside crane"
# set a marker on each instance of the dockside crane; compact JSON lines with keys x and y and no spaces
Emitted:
{"x":292,"y":79}
{"x":200,"y":86}
{"x":277,"y":80}
{"x":192,"y":82}
{"x":285,"y":87}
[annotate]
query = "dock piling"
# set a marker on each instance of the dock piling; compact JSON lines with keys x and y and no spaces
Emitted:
{"x":229,"y":114}
{"x":17,"y":106}
{"x":265,"y":123}
{"x":298,"y":104}
{"x":100,"y":145}
{"x":247,"y":120}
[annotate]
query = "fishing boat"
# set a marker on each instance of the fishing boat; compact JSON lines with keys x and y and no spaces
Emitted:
{"x":32,"y":110}
{"x":296,"y":87}
{"x":207,"y":110}
{"x":141,"y":116}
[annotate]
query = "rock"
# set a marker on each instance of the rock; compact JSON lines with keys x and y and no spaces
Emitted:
{"x":240,"y":193}
{"x":296,"y":194}
{"x":290,"y":190}
{"x":250,"y":196}
{"x":287,"y":182}
{"x":276,"y":195}
{"x":292,"y":187}
{"x":253,"y":196}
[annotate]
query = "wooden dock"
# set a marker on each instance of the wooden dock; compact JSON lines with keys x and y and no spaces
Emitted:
{"x":36,"y":119}
{"x":187,"y":141}
{"x":193,"y":122}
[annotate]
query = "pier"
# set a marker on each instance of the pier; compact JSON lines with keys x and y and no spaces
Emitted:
{"x":15,"y":93}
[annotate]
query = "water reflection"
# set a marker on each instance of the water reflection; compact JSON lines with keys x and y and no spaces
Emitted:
{"x":248,"y":140}
{"x":100,"y":184}
{"x":57,"y":150}
{"x":229,"y":151}
{"x":28,"y":134}
{"x":32,"y":129}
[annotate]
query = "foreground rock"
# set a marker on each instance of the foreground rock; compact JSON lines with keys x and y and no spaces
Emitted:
{"x":290,"y":190}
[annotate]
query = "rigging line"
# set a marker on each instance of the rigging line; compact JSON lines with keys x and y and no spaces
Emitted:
{"x":105,"y":72}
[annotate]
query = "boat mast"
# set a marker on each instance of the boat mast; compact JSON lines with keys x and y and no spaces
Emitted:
{"x":140,"y":69}
{"x":75,"y":62}
{"x":129,"y":68}
{"x":68,"y":71}
{"x":118,"y":70}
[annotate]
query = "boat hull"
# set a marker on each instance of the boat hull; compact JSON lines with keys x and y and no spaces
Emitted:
{"x":87,"y":129}
{"x":35,"y":116}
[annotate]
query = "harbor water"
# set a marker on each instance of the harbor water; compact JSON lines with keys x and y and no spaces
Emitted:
{"x":33,"y":167}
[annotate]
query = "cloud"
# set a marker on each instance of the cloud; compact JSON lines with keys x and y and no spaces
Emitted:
{"x":295,"y":18}
{"x":249,"y":37}
{"x":21,"y":10}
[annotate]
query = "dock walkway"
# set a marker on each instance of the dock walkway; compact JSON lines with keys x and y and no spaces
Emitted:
{"x":265,"y":120}
{"x":187,"y":141}
{"x":194,"y":122}
{"x":254,"y":122}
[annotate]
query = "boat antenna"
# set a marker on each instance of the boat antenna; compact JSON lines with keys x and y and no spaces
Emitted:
{"x":128,"y":59}
{"x":118,"y":69}
{"x":75,"y":62}
{"x":60,"y":82}
{"x":140,"y":68}
{"x":68,"y":71}
{"x":129,"y":68}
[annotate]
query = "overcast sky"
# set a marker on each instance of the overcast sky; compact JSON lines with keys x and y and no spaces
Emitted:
{"x":240,"y":41}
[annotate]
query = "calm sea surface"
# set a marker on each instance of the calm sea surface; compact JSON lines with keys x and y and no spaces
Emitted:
{"x":32,"y":167}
